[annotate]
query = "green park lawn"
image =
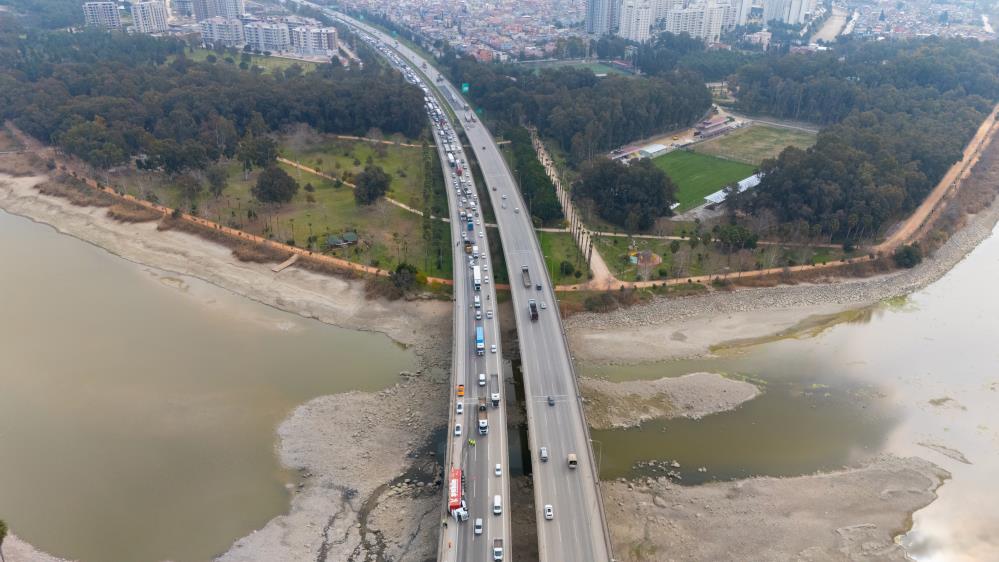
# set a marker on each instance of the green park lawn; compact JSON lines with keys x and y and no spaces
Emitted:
{"x":558,"y":247}
{"x":697,"y":175}
{"x":266,"y":63}
{"x":755,"y":143}
{"x":338,"y":157}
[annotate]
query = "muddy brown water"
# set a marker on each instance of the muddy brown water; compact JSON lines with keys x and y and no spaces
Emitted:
{"x":916,"y":377}
{"x":138,"y":408}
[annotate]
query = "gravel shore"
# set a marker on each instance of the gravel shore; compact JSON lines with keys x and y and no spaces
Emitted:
{"x":853,"y":514}
{"x":687,"y":327}
{"x":613,"y":405}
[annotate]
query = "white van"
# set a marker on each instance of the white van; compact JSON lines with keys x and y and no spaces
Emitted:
{"x":477,"y":302}
{"x":497,"y":505}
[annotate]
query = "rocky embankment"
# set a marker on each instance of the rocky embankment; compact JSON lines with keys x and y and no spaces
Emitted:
{"x":687,"y":327}
{"x":853,"y":514}
{"x":370,"y":487}
{"x":611,"y":405}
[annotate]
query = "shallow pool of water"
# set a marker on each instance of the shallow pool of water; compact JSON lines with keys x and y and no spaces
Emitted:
{"x":138,"y":408}
{"x":919,"y":377}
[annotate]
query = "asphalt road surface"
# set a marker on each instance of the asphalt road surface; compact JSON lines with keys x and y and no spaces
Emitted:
{"x":478,"y":462}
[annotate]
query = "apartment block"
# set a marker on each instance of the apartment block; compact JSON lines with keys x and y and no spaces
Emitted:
{"x":149,"y":17}
{"x":102,"y":14}
{"x":221,"y":31}
{"x":308,"y":40}
{"x":270,"y":37}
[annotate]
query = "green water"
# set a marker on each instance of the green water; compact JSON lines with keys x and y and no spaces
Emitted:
{"x":914,"y":377}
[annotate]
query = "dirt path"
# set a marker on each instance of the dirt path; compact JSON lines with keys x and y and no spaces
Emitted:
{"x":951,"y":181}
{"x":602,"y":276}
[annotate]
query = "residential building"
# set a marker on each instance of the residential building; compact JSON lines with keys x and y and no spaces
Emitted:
{"x":267,"y":37}
{"x":307,"y":40}
{"x":636,"y":20}
{"x":102,"y":14}
{"x":149,"y":17}
{"x":221,"y":31}
{"x":705,"y":20}
{"x":228,"y":9}
{"x":182,"y":8}
{"x":745,"y":7}
{"x":792,"y":12}
{"x":598,"y":16}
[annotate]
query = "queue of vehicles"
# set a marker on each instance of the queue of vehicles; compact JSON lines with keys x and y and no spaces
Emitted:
{"x":470,"y":219}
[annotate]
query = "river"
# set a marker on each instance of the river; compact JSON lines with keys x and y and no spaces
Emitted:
{"x":139,"y":408}
{"x":918,"y":377}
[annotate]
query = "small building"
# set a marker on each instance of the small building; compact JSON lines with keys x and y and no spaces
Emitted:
{"x":343,"y":240}
{"x":747,"y":183}
{"x":652,"y":150}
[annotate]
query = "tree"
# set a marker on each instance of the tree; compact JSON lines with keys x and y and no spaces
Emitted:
{"x":632,"y":196}
{"x":190,"y":187}
{"x":3,"y":535}
{"x":372,"y":183}
{"x":404,"y":276}
{"x":274,"y":185}
{"x":217,"y":178}
{"x":908,"y":256}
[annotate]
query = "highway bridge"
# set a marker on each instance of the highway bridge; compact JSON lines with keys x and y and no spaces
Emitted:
{"x":576,"y":529}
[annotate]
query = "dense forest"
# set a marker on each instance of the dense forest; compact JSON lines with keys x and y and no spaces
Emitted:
{"x":535,"y":185}
{"x":899,"y":114}
{"x":632,"y":196}
{"x":584,"y":114}
{"x":111,"y":97}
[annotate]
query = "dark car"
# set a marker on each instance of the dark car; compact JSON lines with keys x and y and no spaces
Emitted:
{"x":538,"y":286}
{"x":551,"y":401}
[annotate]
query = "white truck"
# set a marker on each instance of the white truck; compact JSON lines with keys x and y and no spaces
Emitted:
{"x":477,"y":277}
{"x":483,"y":422}
{"x":494,"y":390}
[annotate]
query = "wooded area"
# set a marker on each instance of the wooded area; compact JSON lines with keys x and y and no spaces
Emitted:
{"x":584,"y":114}
{"x":110,"y":97}
{"x":900,"y":114}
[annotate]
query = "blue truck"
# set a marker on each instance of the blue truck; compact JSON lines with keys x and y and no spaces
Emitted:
{"x":480,"y":341}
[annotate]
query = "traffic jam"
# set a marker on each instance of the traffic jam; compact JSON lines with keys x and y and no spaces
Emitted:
{"x":469,"y":224}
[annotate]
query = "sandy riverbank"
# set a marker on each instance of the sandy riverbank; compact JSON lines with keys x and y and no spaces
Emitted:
{"x":690,"y":326}
{"x":333,"y":300}
{"x":853,"y":514}
{"x":612,"y":405}
{"x":16,"y":550}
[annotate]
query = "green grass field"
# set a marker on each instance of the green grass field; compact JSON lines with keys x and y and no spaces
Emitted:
{"x":559,"y":247}
{"x":337,"y":157}
{"x":697,"y":175}
{"x":266,"y":63}
{"x":755,"y":143}
{"x":595,"y":67}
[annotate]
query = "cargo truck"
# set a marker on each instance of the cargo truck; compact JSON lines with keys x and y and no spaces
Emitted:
{"x":480,"y":341}
{"x":533,"y":308}
{"x":450,"y":159}
{"x":455,"y":501}
{"x":494,"y":389}
{"x":497,"y":550}
{"x":525,"y":275}
{"x":483,"y":422}
{"x":477,"y":277}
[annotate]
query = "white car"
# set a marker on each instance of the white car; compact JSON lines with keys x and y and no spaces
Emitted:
{"x":457,"y":429}
{"x":482,"y":235}
{"x":489,"y":314}
{"x":499,"y":470}
{"x":478,"y":526}
{"x":549,"y":512}
{"x":478,"y":315}
{"x":486,"y":280}
{"x":504,"y":196}
{"x":516,"y":210}
{"x":543,"y":306}
{"x":492,"y":348}
{"x":485,"y":267}
{"x":459,"y":408}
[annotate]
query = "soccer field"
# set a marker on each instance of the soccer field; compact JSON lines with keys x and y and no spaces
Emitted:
{"x":755,"y":143}
{"x":697,"y":175}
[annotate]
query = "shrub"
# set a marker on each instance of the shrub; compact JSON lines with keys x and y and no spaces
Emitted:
{"x":908,"y":256}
